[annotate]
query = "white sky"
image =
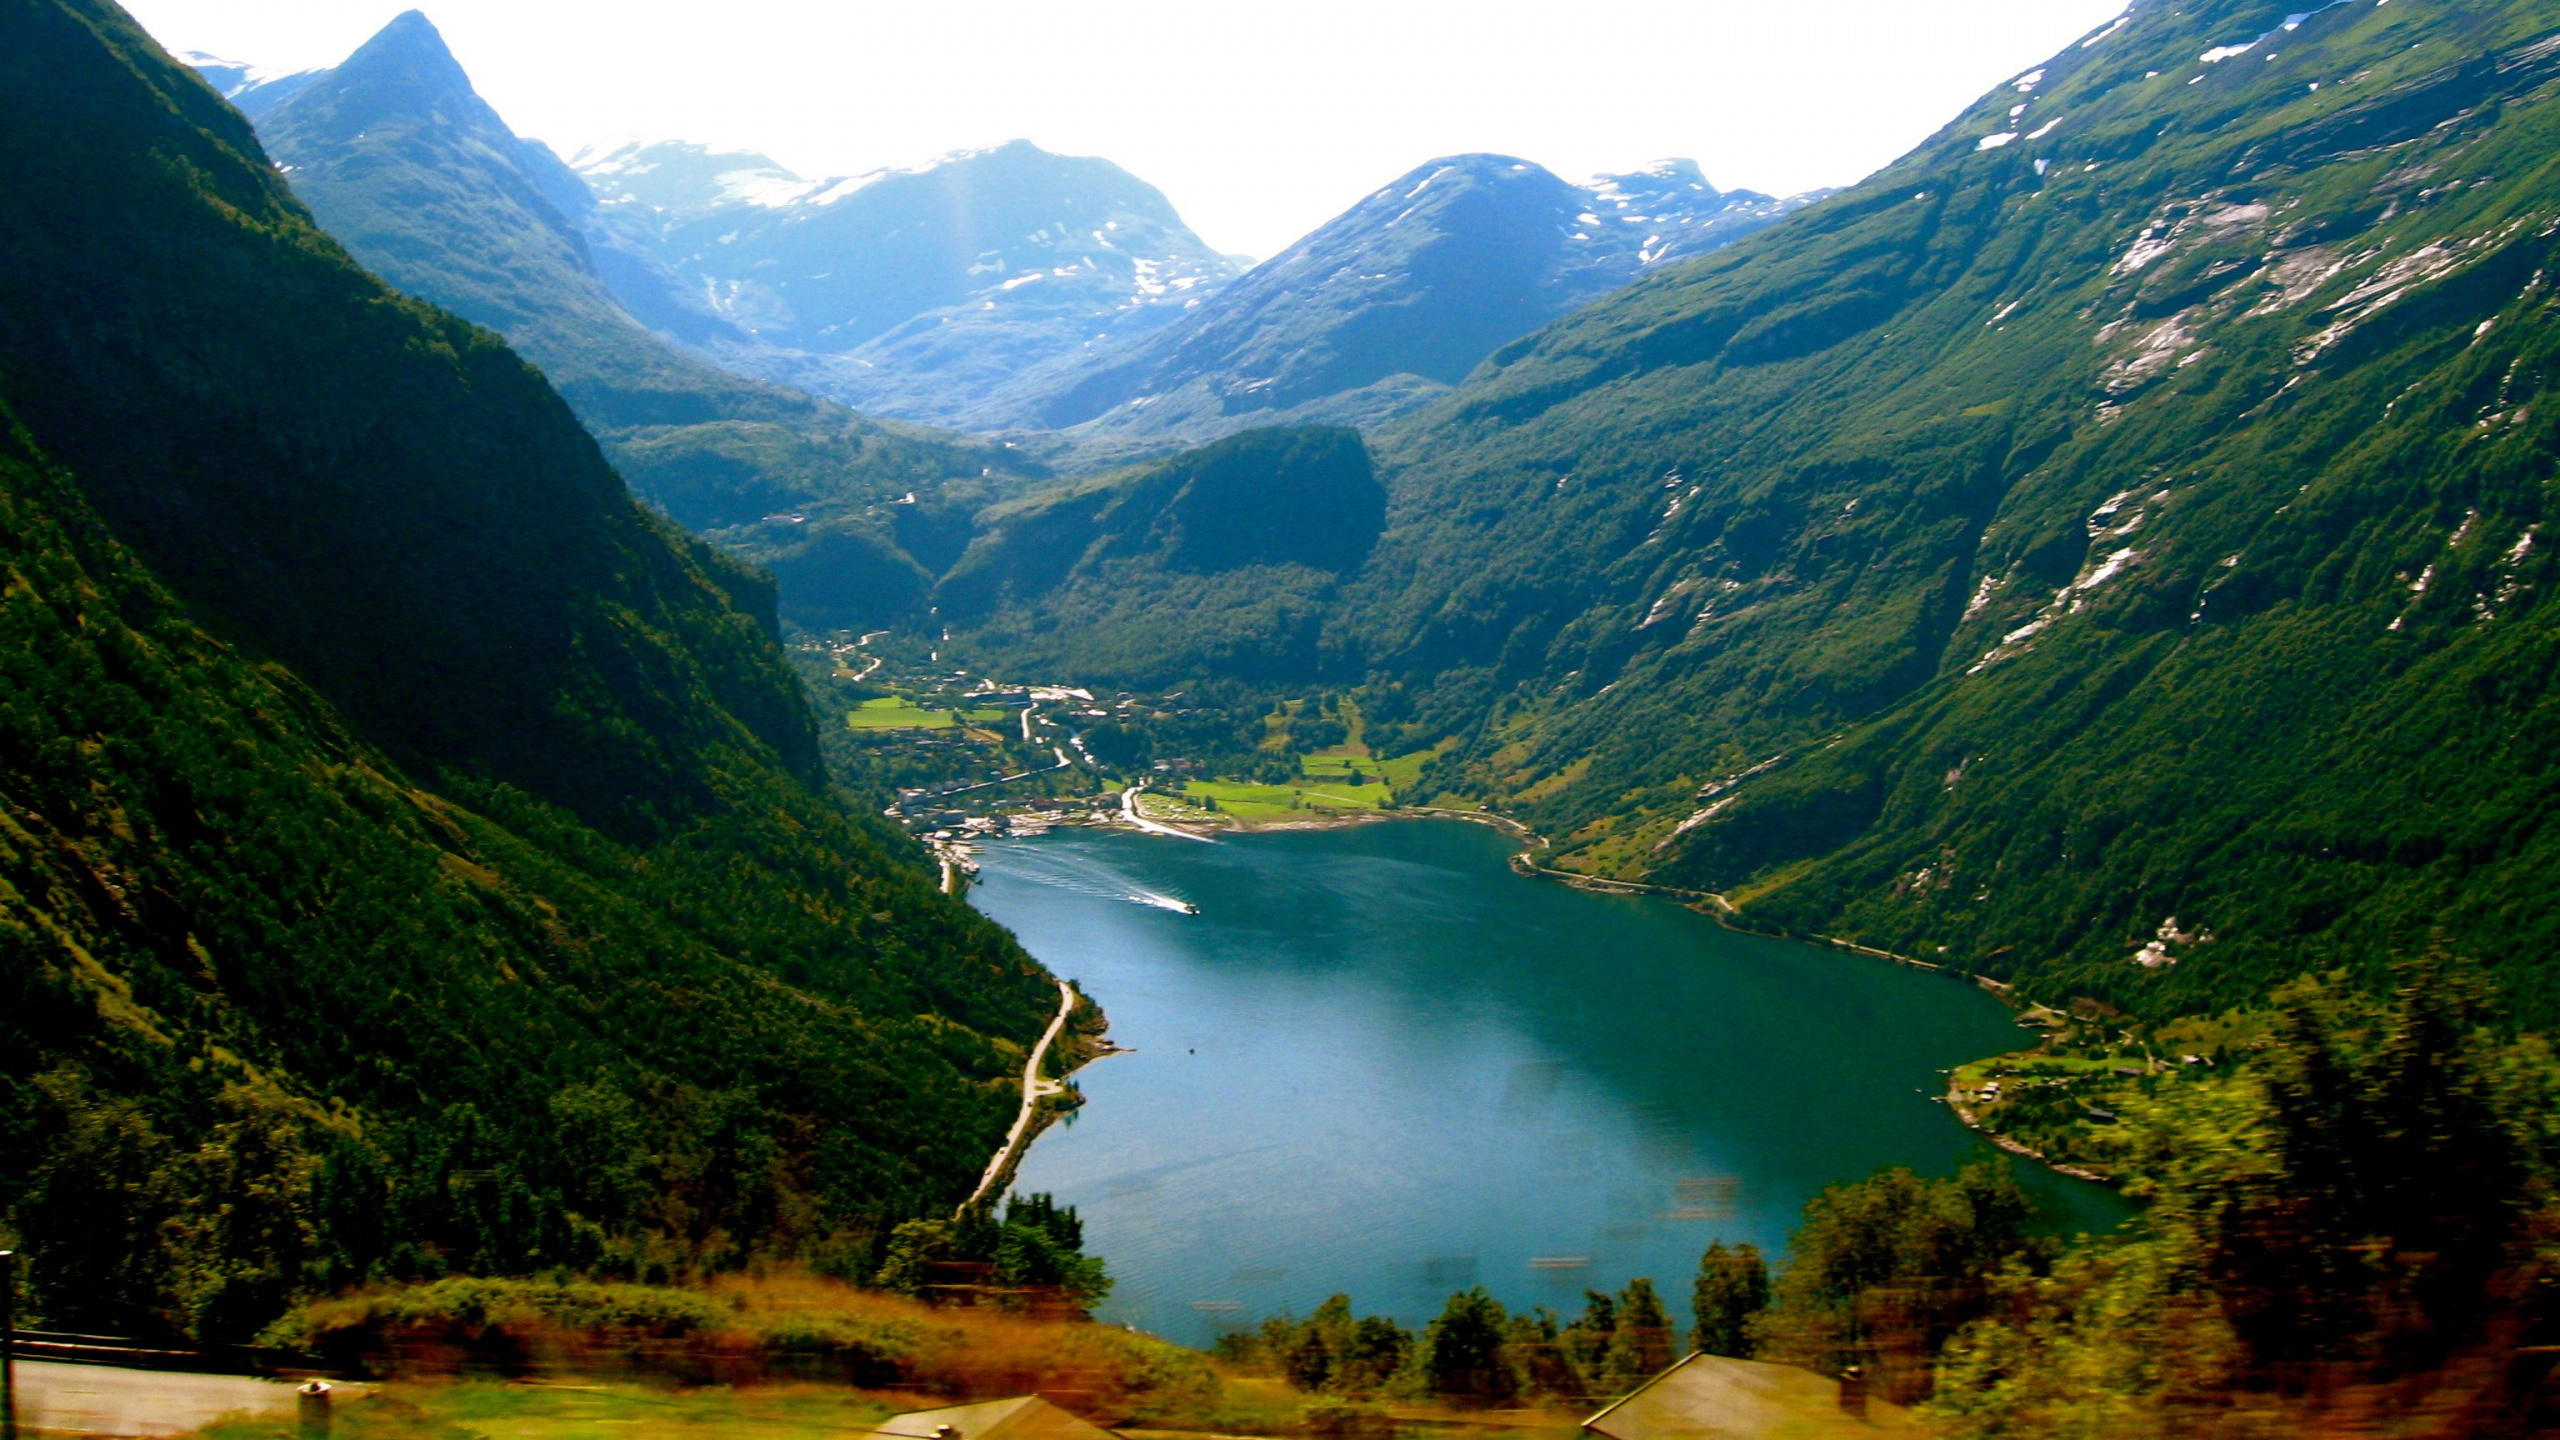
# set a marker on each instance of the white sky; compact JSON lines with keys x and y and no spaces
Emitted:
{"x":1260,"y":119}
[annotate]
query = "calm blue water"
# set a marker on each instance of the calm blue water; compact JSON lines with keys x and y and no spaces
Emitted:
{"x":1380,"y":1062}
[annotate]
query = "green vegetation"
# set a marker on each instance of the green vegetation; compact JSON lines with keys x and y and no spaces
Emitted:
{"x":1732,"y":1288}
{"x":2070,"y":591}
{"x":416,"y":860}
{"x":1250,"y":802}
{"x":893,"y":713}
{"x":582,"y":1355}
{"x":1219,"y":562}
{"x":2352,"y":1225}
{"x":1032,"y":1259}
{"x":1474,"y":1354}
{"x":576,"y":1408}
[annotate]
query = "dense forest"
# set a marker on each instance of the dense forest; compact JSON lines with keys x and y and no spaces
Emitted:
{"x":415,"y":856}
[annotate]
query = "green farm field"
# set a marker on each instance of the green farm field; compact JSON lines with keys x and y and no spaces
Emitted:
{"x":569,"y":1409}
{"x":896,"y":712}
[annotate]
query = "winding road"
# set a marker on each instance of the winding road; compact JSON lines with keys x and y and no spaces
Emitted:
{"x":1035,"y":1088}
{"x":1129,"y":812}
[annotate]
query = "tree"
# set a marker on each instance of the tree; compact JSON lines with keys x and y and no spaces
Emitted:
{"x":1733,"y":1286}
{"x":1538,"y":1354}
{"x":1586,"y":1340}
{"x":1376,"y":1353}
{"x":1885,"y":1269}
{"x":1034,"y":1256}
{"x":1463,"y":1357}
{"x":1312,"y":1352}
{"x":1641,"y":1347}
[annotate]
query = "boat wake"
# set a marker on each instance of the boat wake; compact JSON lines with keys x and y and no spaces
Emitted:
{"x":1083,"y":877}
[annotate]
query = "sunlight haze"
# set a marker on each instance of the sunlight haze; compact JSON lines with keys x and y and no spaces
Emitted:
{"x":1259,"y":122}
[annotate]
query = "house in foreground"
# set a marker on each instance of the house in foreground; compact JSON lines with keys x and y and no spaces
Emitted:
{"x":1711,"y":1397}
{"x":1024,"y":1417}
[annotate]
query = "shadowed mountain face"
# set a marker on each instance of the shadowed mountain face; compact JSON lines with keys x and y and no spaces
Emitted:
{"x":408,"y":167}
{"x":1218,"y":560}
{"x":415,"y":857}
{"x":1402,"y":295}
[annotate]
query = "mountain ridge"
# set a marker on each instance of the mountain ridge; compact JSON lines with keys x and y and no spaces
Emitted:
{"x":908,"y":290}
{"x":414,"y":858}
{"x":404,"y":163}
{"x":1374,"y":312}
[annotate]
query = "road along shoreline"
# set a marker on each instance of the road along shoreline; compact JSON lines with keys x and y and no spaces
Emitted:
{"x":1035,"y":1088}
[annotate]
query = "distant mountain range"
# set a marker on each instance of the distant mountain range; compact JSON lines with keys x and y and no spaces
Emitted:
{"x":1025,"y":290}
{"x":403,"y":162}
{"x":1015,"y":289}
{"x":918,"y":293}
{"x":1395,"y":300}
{"x":690,"y":302}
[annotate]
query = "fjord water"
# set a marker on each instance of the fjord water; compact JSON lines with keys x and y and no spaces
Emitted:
{"x":1378,"y":1061}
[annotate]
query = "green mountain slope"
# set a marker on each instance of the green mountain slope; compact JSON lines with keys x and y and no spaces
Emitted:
{"x":2120,"y":521}
{"x":412,"y":855}
{"x":404,"y":164}
{"x":1224,"y":560}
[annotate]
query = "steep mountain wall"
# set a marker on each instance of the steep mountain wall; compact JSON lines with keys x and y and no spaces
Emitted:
{"x":2120,"y":522}
{"x":412,"y":855}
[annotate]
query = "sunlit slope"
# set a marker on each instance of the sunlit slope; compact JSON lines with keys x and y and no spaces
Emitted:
{"x":2125,"y":507}
{"x":412,"y":855}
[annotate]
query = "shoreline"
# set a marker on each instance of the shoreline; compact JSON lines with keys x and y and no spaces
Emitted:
{"x":1705,"y":902}
{"x":1035,"y":1088}
{"x":1964,"y":1113}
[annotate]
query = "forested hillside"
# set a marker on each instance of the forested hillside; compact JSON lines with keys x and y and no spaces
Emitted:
{"x":2108,"y":547}
{"x":413,"y":855}
{"x":1223,"y":561}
